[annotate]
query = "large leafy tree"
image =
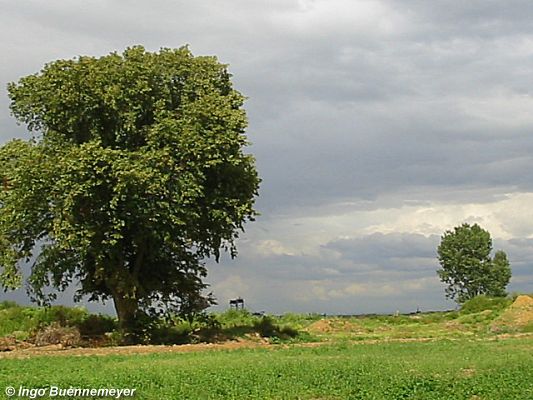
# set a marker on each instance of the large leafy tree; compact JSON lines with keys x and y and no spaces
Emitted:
{"x":135,"y":173}
{"x":466,"y":264}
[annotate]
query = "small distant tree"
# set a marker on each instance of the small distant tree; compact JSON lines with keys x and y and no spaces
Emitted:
{"x":467,"y":267}
{"x":500,"y":275}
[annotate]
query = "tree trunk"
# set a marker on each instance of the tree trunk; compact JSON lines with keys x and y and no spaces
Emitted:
{"x":127,"y":317}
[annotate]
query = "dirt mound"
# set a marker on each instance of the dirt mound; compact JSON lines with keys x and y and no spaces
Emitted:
{"x":10,"y":343}
{"x":334,"y":326}
{"x":56,"y":334}
{"x":523,"y":301}
{"x":321,"y":326}
{"x":7,"y":344}
{"x":517,"y":316}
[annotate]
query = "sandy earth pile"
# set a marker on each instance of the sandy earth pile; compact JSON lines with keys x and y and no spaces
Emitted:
{"x":517,"y":316}
{"x":334,"y":326}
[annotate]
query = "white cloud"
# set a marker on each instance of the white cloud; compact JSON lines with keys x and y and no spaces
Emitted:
{"x":319,"y":17}
{"x":506,"y":218}
{"x":502,"y":110}
{"x":272,"y":247}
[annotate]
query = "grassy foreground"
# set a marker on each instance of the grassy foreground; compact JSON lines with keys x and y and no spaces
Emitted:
{"x":443,"y":369}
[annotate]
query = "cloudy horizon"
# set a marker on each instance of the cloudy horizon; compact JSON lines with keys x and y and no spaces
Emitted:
{"x":376,"y":125}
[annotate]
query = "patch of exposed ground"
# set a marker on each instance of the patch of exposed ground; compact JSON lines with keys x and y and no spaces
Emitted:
{"x":10,"y":343}
{"x":126,"y":350}
{"x":59,"y":350}
{"x":517,"y":316}
{"x":334,"y":326}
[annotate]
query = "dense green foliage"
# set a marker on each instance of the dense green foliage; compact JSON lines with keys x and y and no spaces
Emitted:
{"x":23,"y":322}
{"x":478,"y":316}
{"x":136,"y":174}
{"x":483,"y":303}
{"x":467,"y":267}
{"x":461,"y":370}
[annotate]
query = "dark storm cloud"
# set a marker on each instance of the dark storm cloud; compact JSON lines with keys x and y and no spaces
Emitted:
{"x":370,"y":116}
{"x":478,"y":17}
{"x":347,"y":100}
{"x":383,"y":247}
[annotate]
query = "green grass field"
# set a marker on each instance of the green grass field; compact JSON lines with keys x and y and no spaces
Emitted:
{"x":443,"y":369}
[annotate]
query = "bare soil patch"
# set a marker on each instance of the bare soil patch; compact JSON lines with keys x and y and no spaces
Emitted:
{"x":518,"y":315}
{"x":61,"y":350}
{"x":334,"y":326}
{"x":23,"y":351}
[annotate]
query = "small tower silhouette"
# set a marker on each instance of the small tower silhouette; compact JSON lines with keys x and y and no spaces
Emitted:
{"x":237,"y":303}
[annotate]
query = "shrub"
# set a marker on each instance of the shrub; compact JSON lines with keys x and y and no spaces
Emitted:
{"x":482,"y":303}
{"x":26,"y":321}
{"x":113,"y":338}
{"x":6,"y":304}
{"x":232,"y":318}
{"x":178,"y":334}
{"x":64,"y":316}
{"x":436,"y":317}
{"x":97,"y":325}
{"x":287,"y":331}
{"x":16,"y":318}
{"x":298,"y":321}
{"x":266,"y":328}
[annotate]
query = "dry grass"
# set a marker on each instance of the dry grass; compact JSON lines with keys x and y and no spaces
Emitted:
{"x":58,"y":335}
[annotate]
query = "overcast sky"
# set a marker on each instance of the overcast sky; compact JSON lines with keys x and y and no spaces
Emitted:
{"x":377,"y":125}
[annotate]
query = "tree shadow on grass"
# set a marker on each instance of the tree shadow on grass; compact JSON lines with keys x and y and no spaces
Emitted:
{"x":264,"y":328}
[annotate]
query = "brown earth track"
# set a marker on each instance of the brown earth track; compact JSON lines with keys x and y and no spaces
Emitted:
{"x":57,"y":350}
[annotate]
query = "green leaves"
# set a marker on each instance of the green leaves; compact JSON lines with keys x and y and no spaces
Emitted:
{"x":137,"y":174}
{"x":467,"y":268}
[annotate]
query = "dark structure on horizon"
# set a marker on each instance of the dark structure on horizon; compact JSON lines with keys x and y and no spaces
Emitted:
{"x":237,"y":303}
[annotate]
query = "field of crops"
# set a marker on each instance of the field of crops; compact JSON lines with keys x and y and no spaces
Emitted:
{"x":443,"y":369}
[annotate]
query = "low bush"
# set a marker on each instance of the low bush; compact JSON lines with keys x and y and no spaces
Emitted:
{"x":482,"y":303}
{"x":268,"y":329}
{"x":5,"y":305}
{"x":25,"y":322}
{"x":178,"y":334}
{"x":64,"y":316}
{"x":436,"y":317}
{"x":232,"y":318}
{"x":17,"y":318}
{"x":298,"y":321}
{"x":96,"y":325}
